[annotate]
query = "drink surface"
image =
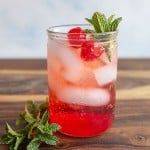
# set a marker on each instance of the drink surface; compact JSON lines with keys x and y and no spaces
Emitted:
{"x":82,"y":93}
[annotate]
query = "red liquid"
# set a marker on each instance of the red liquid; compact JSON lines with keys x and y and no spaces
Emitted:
{"x":82,"y":121}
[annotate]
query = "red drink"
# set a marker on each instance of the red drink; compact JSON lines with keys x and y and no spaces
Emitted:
{"x":81,"y":85}
{"x":81,"y":120}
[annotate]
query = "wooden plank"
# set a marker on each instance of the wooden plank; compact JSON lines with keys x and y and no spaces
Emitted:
{"x":123,"y":94}
{"x":22,"y":72}
{"x":40,"y":64}
{"x":21,"y":80}
{"x":134,"y":64}
{"x":20,"y":98}
{"x":23,"y":84}
{"x":24,"y":64}
{"x":121,"y":73}
{"x":144,"y":74}
{"x":142,"y":92}
{"x":130,"y":130}
{"x":20,"y":85}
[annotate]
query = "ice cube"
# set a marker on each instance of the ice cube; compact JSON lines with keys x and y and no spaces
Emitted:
{"x":70,"y":61}
{"x":54,"y":64}
{"x":83,"y":96}
{"x":113,"y":58}
{"x":104,"y":58}
{"x":93,"y":64}
{"x":88,"y":79}
{"x":106,"y":74}
{"x":56,"y":82}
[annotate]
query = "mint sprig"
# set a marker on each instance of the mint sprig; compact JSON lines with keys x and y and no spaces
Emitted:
{"x":103,"y":24}
{"x":34,"y":130}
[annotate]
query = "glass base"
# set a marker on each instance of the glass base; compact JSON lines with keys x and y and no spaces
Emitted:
{"x":89,"y":126}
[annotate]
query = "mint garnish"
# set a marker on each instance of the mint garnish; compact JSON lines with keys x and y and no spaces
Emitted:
{"x":102,"y":24}
{"x":35,"y":129}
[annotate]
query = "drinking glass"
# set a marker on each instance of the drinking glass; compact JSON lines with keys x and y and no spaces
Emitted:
{"x":81,"y":91}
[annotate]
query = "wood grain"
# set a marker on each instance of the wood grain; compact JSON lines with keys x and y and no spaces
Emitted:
{"x":130,"y":130}
{"x":25,"y":64}
{"x":22,"y":80}
{"x":18,"y":84}
{"x":40,"y":64}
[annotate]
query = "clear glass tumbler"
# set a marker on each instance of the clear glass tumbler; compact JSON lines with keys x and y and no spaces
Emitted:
{"x":81,"y":90}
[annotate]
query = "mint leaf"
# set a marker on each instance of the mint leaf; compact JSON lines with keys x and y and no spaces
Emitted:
{"x":115,"y":23}
{"x":109,"y":22}
{"x":13,"y":138}
{"x":35,"y":130}
{"x":45,"y":128}
{"x":11,"y":131}
{"x":34,"y":144}
{"x":44,"y":118}
{"x":11,"y":147}
{"x":31,"y":131}
{"x":28,"y":116}
{"x":7,"y":139}
{"x":18,"y":142}
{"x":110,"y":19}
{"x":46,"y":138}
{"x":103,"y":24}
{"x":21,"y":119}
{"x":32,"y":108}
{"x":96,"y":21}
{"x":89,"y":20}
{"x":55,"y":127}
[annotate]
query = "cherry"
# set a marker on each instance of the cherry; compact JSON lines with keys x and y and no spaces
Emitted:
{"x":91,"y":50}
{"x":76,"y":37}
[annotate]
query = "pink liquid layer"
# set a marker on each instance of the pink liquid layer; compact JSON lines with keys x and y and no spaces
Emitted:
{"x":82,"y":121}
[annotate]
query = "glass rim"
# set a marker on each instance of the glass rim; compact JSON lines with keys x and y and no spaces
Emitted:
{"x":50,"y":30}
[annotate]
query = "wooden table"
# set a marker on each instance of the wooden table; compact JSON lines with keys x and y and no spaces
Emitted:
{"x":21,"y":80}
